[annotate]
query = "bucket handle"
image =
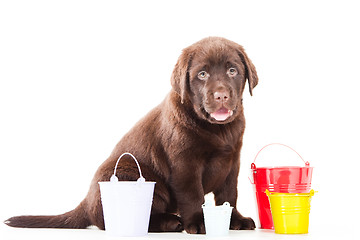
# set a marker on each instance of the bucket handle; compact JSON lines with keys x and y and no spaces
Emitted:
{"x":253,"y":166}
{"x":115,"y":179}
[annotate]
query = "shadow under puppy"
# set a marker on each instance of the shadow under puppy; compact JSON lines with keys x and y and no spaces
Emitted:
{"x":189,"y":144}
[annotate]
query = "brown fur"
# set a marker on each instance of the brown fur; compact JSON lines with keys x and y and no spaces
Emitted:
{"x":180,"y":146}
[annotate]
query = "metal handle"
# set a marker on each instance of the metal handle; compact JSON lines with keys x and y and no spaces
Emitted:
{"x":115,"y":179}
{"x":253,"y":166}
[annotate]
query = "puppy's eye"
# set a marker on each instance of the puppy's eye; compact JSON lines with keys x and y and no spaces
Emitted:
{"x":203,"y":75}
{"x":232,"y":72}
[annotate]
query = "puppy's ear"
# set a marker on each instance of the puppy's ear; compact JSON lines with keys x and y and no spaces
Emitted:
{"x":180,"y":75}
{"x":250,"y":70}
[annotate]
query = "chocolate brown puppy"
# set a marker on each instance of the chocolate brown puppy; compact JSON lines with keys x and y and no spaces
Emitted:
{"x":189,"y":144}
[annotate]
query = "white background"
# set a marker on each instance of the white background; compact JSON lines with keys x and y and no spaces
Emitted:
{"x":76,"y":75}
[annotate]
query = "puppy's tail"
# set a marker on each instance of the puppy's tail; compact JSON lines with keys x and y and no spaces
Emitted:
{"x":76,"y":218}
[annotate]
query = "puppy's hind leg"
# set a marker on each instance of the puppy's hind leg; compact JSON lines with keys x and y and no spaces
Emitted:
{"x":162,"y":217}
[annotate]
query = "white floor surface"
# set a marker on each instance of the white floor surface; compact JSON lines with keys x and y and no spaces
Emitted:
{"x":8,"y":233}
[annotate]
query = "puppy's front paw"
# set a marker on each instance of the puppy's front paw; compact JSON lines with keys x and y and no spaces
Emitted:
{"x":196,"y":224}
{"x":165,"y":222}
{"x":242,"y":223}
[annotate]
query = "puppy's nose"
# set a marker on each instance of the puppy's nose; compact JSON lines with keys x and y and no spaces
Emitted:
{"x":221,"y":96}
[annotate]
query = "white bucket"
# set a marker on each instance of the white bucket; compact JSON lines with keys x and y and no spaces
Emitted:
{"x":217,"y":219}
{"x":126,"y":204}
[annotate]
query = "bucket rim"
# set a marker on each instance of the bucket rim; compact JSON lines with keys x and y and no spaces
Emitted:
{"x":276,"y":194}
{"x":217,"y":208}
{"x":280,"y":167}
{"x":128,"y":182}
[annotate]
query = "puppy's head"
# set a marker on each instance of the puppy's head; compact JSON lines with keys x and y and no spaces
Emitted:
{"x":211,"y":74}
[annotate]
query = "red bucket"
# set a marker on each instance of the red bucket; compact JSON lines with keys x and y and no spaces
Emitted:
{"x":285,"y":179}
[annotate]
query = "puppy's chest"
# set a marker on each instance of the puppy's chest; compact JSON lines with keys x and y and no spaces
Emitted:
{"x":222,"y":145}
{"x":221,"y":157}
{"x":219,"y":136}
{"x":215,"y":172}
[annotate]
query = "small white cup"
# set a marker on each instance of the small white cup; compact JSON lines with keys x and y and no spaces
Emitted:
{"x":217,"y":219}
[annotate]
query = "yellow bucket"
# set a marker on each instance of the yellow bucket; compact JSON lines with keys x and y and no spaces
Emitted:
{"x":290,"y":211}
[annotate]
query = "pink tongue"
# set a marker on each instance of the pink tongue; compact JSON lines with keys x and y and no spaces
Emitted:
{"x":221,"y":114}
